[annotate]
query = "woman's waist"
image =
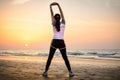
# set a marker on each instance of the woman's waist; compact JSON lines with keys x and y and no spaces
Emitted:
{"x":57,"y":36}
{"x":58,"y":39}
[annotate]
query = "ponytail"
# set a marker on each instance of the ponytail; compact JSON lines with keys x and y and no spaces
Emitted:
{"x":57,"y":23}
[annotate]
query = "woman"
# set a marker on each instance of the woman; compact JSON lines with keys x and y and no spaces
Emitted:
{"x":58,"y":41}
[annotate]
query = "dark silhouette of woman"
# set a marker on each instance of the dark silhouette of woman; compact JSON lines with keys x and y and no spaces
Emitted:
{"x":58,"y":22}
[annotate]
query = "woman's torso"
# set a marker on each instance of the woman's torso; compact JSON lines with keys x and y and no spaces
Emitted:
{"x":60,"y":34}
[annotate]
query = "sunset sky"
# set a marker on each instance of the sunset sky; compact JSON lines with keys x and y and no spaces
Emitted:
{"x":90,"y":24}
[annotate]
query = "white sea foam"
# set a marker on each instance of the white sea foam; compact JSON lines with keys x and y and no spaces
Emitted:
{"x":113,"y":53}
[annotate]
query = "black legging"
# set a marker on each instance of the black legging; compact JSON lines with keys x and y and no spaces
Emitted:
{"x":51,"y":54}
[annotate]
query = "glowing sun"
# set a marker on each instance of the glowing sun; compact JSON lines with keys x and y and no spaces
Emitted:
{"x":26,"y":45}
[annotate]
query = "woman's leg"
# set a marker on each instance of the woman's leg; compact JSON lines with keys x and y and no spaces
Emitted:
{"x":64,"y":55}
{"x":51,"y":54}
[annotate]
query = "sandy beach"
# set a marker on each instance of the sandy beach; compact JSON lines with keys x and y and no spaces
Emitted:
{"x":31,"y":68}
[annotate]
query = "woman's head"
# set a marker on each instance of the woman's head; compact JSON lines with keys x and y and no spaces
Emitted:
{"x":57,"y":22}
{"x":57,"y":17}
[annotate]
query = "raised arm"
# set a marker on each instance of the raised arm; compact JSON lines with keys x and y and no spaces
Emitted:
{"x":61,"y":12}
{"x":52,"y":14}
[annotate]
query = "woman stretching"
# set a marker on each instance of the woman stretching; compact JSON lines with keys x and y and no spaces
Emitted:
{"x":58,"y":41}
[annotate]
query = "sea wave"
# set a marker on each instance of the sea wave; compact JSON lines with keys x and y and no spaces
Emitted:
{"x":110,"y":54}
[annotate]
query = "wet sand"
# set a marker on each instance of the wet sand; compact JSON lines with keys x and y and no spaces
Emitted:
{"x":31,"y":68}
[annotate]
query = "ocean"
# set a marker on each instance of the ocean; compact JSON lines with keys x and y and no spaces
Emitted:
{"x":91,"y":53}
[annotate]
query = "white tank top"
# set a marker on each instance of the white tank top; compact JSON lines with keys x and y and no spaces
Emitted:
{"x":60,"y":34}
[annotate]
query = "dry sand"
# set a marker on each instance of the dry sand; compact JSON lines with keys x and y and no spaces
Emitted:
{"x":31,"y":68}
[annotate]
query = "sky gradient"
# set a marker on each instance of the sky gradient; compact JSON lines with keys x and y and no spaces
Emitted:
{"x":90,"y":24}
